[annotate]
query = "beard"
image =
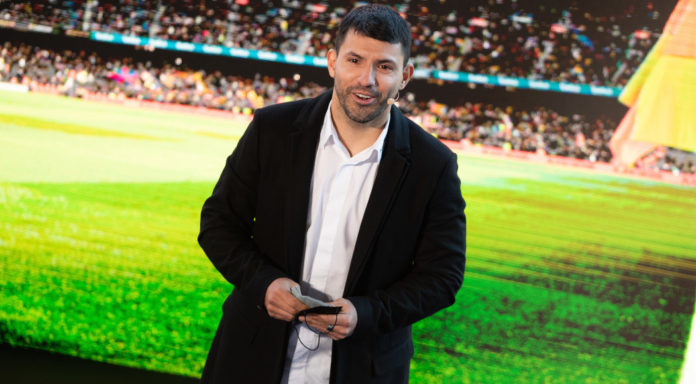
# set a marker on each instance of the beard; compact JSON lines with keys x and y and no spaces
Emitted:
{"x":361,"y":114}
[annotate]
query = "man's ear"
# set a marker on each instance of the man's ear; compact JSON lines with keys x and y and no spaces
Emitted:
{"x":407,"y":75}
{"x":331,"y":62}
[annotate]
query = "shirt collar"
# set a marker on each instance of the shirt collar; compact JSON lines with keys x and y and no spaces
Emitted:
{"x":329,"y":136}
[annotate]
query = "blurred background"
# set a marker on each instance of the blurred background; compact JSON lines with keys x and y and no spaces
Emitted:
{"x":117,"y":116}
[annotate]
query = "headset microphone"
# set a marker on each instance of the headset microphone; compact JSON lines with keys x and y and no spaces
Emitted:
{"x":392,"y":100}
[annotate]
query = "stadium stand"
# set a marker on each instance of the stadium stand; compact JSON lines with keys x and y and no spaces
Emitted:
{"x":78,"y":72}
{"x":585,"y":42}
{"x":540,"y":130}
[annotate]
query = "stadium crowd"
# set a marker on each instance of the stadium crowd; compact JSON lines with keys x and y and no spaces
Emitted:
{"x":508,"y":127}
{"x":570,"y":40}
{"x":78,"y":72}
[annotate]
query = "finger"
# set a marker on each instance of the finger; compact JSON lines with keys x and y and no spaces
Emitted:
{"x":282,"y":310}
{"x":297,"y":305}
{"x":289,"y":303}
{"x":286,"y":304}
{"x":321,"y":321}
{"x":326,"y":324}
{"x":285,"y":307}
{"x":315,"y":322}
{"x":278,"y":310}
{"x":312,"y":321}
{"x":338,"y":333}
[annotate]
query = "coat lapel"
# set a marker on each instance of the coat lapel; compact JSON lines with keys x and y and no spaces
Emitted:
{"x":303,"y":146}
{"x":390,"y":175}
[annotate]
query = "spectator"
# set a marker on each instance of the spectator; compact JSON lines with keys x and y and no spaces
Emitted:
{"x":569,"y":41}
{"x":510,"y":127}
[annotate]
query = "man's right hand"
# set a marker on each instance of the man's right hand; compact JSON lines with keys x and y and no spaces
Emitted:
{"x":279,"y":302}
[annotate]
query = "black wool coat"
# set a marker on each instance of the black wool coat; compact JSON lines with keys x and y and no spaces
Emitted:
{"x":409,"y":255}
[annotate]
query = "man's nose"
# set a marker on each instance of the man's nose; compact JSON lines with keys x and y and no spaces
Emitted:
{"x":367,"y":76}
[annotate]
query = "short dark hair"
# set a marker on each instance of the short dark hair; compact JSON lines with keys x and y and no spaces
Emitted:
{"x":379,"y":22}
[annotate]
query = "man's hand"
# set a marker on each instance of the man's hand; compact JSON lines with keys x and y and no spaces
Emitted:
{"x":343,"y":326}
{"x":279,"y":302}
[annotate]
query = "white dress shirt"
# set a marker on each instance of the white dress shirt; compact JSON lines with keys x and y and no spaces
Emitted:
{"x":341,"y":186}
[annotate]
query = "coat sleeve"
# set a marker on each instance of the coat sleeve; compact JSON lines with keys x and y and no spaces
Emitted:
{"x":227,"y":218}
{"x":437,"y":271}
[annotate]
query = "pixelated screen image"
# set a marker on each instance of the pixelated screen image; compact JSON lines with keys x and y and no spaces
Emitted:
{"x":116,"y":119}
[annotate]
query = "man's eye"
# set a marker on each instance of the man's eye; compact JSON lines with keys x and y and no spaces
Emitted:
{"x":353,"y":60}
{"x":386,"y":67}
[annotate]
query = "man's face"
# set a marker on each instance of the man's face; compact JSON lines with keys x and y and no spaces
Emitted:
{"x":366,"y":73}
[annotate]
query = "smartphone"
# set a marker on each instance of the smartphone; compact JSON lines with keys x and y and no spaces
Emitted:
{"x":323,"y":310}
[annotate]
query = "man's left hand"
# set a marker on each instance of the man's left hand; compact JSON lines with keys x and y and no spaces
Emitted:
{"x":343,"y":326}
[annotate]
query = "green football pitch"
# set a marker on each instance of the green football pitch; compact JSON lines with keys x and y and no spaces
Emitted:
{"x":572,"y":276}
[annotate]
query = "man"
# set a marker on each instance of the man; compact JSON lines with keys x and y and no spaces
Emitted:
{"x":345,"y":197}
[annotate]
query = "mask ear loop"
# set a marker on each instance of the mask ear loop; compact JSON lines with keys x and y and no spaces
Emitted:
{"x":330,"y":328}
{"x":311,"y":329}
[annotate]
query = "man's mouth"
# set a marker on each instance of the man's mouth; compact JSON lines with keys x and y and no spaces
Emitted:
{"x":364,"y":98}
